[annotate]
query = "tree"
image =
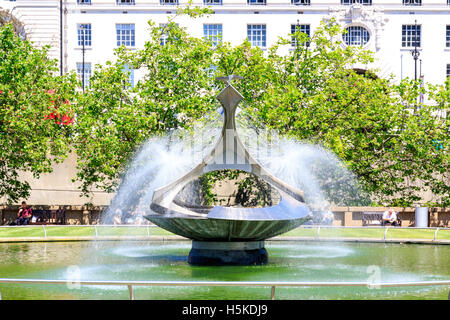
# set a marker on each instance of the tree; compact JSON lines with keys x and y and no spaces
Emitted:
{"x":114,"y":118}
{"x":311,"y":94}
{"x":32,"y":100}
{"x":8,"y":18}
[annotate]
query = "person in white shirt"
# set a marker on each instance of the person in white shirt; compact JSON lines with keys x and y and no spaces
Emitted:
{"x":389,"y":217}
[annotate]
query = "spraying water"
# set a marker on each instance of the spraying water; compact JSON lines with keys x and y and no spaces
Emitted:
{"x":316,"y":171}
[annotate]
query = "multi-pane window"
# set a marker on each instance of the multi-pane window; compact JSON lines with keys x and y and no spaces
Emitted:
{"x":301,"y":2}
{"x":305,"y":28}
{"x":447,"y":36}
{"x":256,"y":34}
{"x":87,"y":72}
{"x":124,"y":1}
{"x":212,"y":2}
{"x":356,"y":36}
{"x":349,"y":2}
{"x":213,"y":32}
{"x":169,"y":2}
{"x":448,"y":70}
{"x":84,"y":1}
{"x":411,"y":35}
{"x":412,"y":2}
{"x":84,"y":32}
{"x":125,"y":35}
{"x":129,"y":71}
{"x":256,"y":2}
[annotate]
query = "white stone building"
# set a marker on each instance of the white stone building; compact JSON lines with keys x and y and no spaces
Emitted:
{"x":387,"y":27}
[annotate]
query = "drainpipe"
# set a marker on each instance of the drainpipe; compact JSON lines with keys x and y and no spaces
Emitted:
{"x":61,"y":36}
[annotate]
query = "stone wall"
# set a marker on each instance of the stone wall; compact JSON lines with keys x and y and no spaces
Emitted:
{"x":343,"y":216}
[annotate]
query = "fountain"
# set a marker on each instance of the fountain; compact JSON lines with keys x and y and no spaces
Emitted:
{"x":228,"y":235}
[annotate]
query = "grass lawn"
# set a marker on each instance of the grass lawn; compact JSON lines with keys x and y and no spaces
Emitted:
{"x":81,"y":231}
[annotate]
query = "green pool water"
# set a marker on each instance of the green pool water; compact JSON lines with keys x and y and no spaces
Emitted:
{"x":289,"y":261}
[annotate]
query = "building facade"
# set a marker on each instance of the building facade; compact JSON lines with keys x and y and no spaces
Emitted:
{"x":389,"y":28}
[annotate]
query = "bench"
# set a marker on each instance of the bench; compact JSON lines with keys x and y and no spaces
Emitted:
{"x":44,"y":217}
{"x":374,"y":218}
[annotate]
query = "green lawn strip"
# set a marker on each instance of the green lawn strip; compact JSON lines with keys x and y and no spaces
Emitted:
{"x":396,"y":233}
{"x":373,"y":233}
{"x":78,"y":231}
{"x":81,"y":231}
{"x":19,"y":232}
{"x":443,"y":235}
{"x":301,"y":232}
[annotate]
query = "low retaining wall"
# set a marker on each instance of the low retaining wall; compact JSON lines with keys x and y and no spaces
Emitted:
{"x":343,"y":216}
{"x":352,"y":216}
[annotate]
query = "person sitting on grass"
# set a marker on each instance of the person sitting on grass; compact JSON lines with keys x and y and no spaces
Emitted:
{"x":25,"y":214}
{"x":389,"y":217}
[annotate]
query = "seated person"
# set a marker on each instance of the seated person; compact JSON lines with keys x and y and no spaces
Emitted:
{"x":389,"y":217}
{"x":25,"y":214}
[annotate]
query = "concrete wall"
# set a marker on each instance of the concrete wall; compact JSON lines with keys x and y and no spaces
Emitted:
{"x":351,"y":216}
{"x":344,"y":216}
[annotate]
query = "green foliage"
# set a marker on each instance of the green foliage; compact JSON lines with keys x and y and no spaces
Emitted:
{"x":30,"y":92}
{"x":311,"y":94}
{"x":252,"y":191}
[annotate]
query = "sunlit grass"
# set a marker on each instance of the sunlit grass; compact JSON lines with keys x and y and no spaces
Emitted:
{"x":143,"y":231}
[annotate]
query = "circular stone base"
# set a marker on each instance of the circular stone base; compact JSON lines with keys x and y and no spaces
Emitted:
{"x":227,"y":253}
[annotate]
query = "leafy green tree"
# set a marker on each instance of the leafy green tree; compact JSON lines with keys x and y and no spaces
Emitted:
{"x":311,"y":94}
{"x":115,"y":118}
{"x":33,"y":100}
{"x":8,"y":18}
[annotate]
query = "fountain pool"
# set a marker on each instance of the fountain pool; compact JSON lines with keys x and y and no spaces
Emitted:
{"x":290,"y":261}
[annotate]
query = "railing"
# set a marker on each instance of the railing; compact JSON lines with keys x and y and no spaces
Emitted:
{"x":317,"y":235}
{"x":272,"y":285}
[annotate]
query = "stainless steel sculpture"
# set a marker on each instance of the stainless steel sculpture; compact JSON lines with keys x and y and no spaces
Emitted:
{"x":228,"y":235}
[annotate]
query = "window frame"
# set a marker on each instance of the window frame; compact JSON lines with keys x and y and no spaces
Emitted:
{"x":214,"y":38}
{"x":87,"y":42}
{"x":412,"y":41}
{"x":350,"y":35}
{"x":87,"y":71}
{"x":350,"y":2}
{"x":263,"y":34}
{"x":132,"y":35}
{"x":307,"y":31}
{"x":412,"y":2}
{"x":125,"y":2}
{"x":256,"y":2}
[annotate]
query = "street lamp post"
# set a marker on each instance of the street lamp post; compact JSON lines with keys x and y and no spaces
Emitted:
{"x":415,"y":53}
{"x":83,"y":50}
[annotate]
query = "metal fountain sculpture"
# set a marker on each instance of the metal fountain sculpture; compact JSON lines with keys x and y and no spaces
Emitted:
{"x":228,"y":235}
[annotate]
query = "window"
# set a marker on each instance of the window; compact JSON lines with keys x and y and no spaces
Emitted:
{"x":169,"y":2}
{"x":212,"y":2}
{"x":213,"y":32}
{"x":256,"y":34}
{"x":305,"y":28}
{"x":412,"y":2}
{"x":84,"y":31}
{"x":256,"y":2}
{"x":130,"y":73}
{"x":411,"y":35}
{"x":84,"y":1}
{"x":350,"y":2}
{"x":447,"y":37}
{"x":356,"y":36}
{"x":87,"y":72}
{"x":301,"y":2}
{"x":448,"y":70}
{"x":125,"y":35}
{"x":124,"y":2}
